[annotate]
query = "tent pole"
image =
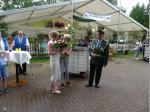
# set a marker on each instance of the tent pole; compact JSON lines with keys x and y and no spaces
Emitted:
{"x":149,"y":51}
{"x":149,"y":36}
{"x":53,"y":23}
{"x":71,"y":18}
{"x":118,"y":34}
{"x":0,"y":33}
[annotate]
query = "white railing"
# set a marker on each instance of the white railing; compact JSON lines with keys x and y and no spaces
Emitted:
{"x":38,"y":49}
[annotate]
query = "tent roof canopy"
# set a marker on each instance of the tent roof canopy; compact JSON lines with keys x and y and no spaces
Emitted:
{"x":63,"y":9}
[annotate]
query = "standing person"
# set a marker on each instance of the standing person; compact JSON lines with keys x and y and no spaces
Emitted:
{"x":99,"y":52}
{"x":3,"y":70}
{"x":10,"y":43}
{"x":4,"y":44}
{"x":54,"y":61}
{"x":21,"y":42}
{"x":137,"y":50}
{"x":64,"y":62}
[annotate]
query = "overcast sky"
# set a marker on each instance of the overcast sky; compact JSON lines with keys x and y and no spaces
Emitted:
{"x":128,"y":4}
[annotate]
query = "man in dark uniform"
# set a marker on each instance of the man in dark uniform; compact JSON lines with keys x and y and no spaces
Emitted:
{"x":99,"y":52}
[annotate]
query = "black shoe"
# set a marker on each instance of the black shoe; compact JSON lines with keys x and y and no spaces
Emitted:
{"x":88,"y":85}
{"x":5,"y":90}
{"x":1,"y":91}
{"x":62,"y":85}
{"x":97,"y":86}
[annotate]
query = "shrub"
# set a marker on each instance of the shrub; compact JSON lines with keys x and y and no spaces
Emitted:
{"x":49,"y":24}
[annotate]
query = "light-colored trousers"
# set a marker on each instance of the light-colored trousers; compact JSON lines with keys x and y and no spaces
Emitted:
{"x":64,"y":62}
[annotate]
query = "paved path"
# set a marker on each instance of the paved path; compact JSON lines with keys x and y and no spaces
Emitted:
{"x":124,"y":89}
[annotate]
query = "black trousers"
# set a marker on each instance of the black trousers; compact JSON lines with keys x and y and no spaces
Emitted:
{"x":20,"y":70}
{"x":95,"y":71}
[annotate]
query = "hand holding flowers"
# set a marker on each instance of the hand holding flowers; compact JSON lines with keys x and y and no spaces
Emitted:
{"x":60,"y":45}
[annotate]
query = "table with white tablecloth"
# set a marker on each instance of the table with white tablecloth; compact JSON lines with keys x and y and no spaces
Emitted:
{"x":18,"y":57}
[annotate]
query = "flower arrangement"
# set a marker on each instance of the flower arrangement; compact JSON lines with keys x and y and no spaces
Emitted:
{"x":56,"y":24}
{"x":59,"y":24}
{"x":60,"y":44}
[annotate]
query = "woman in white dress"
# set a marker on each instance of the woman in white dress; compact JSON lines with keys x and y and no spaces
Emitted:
{"x":54,"y":62}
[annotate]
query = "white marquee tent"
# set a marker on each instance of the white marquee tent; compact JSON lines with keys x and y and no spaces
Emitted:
{"x":63,"y":9}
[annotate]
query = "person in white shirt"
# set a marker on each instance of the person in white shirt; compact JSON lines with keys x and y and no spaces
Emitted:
{"x":21,"y":42}
{"x":137,"y":50}
{"x":54,"y":62}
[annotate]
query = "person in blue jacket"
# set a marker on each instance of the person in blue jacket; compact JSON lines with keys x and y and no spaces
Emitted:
{"x":5,"y":44}
{"x":3,"y":69}
{"x":21,"y":42}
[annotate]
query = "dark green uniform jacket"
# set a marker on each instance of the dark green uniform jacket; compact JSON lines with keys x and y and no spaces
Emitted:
{"x":101,"y":49}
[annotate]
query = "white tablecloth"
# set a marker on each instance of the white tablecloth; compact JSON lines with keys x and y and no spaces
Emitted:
{"x":19,"y":57}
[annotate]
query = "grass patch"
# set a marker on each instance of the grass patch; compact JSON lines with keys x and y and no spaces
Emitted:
{"x":39,"y":59}
{"x":122,"y":55}
{"x":119,"y":55}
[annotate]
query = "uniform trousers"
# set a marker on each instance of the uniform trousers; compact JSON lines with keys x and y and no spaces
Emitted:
{"x":95,"y":71}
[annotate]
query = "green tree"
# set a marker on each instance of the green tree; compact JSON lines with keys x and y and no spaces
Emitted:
{"x":89,"y":33}
{"x":23,"y":3}
{"x":146,"y":21}
{"x":51,"y":1}
{"x":3,"y":26}
{"x":26,"y":3}
{"x":8,"y":5}
{"x":140,"y":14}
{"x":115,"y":3}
